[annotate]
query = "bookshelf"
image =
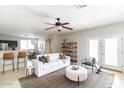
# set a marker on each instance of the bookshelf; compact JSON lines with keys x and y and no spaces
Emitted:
{"x":70,"y":49}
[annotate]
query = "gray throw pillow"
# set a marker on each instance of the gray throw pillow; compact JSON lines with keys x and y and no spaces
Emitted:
{"x":42,"y":59}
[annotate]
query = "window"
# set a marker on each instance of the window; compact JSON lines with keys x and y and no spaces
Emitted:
{"x":30,"y":45}
{"x":93,"y":49}
{"x":23,"y":44}
{"x":111,"y":55}
{"x":26,"y":44}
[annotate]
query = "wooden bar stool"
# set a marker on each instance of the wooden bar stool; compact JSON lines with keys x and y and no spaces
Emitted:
{"x":21,"y":55}
{"x":6,"y":57}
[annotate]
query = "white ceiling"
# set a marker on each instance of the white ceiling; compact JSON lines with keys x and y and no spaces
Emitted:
{"x":22,"y":20}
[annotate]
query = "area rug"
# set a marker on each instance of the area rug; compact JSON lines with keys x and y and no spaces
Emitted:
{"x":57,"y":79}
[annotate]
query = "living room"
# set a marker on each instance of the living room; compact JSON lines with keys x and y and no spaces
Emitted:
{"x":53,"y":48}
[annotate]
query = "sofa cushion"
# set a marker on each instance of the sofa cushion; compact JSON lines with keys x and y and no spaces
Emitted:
{"x":60,"y":61}
{"x":62,"y":56}
{"x":55,"y":56}
{"x":49,"y":65}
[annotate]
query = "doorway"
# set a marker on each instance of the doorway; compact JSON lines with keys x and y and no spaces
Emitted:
{"x":48,"y":46}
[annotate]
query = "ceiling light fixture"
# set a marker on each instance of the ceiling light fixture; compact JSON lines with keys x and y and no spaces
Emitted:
{"x":80,"y":6}
{"x":59,"y":25}
{"x":59,"y":28}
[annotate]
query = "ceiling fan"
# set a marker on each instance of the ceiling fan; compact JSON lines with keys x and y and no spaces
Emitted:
{"x":59,"y":25}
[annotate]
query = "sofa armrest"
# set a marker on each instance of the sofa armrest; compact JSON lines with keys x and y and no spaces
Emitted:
{"x":37,"y":63}
{"x":38,"y":66}
{"x":68,"y":60}
{"x":68,"y":57}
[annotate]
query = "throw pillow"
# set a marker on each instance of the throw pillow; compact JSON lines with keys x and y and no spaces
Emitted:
{"x":48,"y":59}
{"x":42,"y":59}
{"x":62,"y":56}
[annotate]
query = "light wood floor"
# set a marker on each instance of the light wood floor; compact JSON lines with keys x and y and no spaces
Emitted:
{"x":10,"y":78}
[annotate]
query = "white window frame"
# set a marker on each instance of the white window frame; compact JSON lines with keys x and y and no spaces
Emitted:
{"x":27,"y":46}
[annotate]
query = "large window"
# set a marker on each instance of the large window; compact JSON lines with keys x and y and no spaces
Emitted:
{"x":111,"y":54}
{"x":26,"y":45}
{"x":30,"y":45}
{"x":93,"y":49}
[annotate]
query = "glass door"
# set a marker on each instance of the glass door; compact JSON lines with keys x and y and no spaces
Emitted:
{"x":107,"y":51}
{"x":112,"y":53}
{"x":93,"y":48}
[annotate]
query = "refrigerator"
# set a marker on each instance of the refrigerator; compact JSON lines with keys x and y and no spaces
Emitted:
{"x":3,"y":46}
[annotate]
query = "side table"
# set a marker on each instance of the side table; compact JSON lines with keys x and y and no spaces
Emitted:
{"x":29,"y":70}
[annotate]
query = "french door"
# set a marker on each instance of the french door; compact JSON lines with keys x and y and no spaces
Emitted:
{"x":107,"y":52}
{"x":112,"y":53}
{"x":93,"y":49}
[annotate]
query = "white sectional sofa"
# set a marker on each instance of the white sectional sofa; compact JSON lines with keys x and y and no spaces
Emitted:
{"x":55,"y":64}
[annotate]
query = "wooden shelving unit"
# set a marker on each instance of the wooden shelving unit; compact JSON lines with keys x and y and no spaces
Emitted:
{"x":70,"y":49}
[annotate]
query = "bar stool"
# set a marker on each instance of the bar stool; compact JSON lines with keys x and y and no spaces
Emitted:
{"x":21,"y":55}
{"x":6,"y":57}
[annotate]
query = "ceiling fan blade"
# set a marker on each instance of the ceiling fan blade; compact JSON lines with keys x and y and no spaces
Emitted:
{"x":66,"y":23}
{"x":67,"y":28}
{"x":49,"y":24}
{"x":50,"y":28}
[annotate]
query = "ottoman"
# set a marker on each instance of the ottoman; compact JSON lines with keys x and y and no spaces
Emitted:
{"x":76,"y":75}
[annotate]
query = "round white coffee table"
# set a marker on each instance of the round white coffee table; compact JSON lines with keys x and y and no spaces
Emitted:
{"x":76,"y":75}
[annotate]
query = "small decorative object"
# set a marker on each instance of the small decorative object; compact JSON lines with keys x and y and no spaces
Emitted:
{"x":65,"y":40}
{"x":74,"y":67}
{"x":13,"y":48}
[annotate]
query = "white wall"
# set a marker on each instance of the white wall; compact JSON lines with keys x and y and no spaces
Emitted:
{"x":56,"y":43}
{"x":81,"y":37}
